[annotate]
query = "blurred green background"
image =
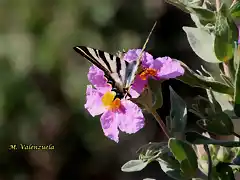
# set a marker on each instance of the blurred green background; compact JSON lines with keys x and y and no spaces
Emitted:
{"x":43,"y":82}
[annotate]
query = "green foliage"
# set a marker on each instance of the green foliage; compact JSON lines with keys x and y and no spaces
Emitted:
{"x":197,"y":139}
{"x":193,"y":79}
{"x":171,"y":172}
{"x":147,"y":153}
{"x":213,"y":41}
{"x":237,"y":82}
{"x":204,"y":14}
{"x":224,"y":171}
{"x":186,"y":156}
{"x":219,"y":124}
{"x":226,"y":33}
{"x":201,"y":43}
{"x":178,"y":115}
{"x":134,"y":165}
{"x":235,"y":10}
{"x":155,"y":87}
{"x":223,"y":154}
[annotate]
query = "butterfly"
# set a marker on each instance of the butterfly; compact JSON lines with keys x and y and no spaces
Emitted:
{"x":120,"y":74}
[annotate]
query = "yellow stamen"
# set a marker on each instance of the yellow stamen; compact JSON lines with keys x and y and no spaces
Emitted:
{"x":147,"y":72}
{"x":109,"y":102}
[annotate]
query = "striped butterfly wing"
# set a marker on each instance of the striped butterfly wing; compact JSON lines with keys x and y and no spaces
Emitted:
{"x":118,"y":71}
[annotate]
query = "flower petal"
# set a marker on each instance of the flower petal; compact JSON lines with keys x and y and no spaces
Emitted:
{"x":110,"y":124}
{"x":94,"y":101}
{"x":167,"y":68}
{"x":96,"y":76}
{"x":130,"y":119}
{"x":238,"y":25}
{"x":138,"y":86}
{"x":133,"y":54}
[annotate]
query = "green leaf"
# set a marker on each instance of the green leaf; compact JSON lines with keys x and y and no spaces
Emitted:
{"x":185,"y":5}
{"x":237,"y":82}
{"x":224,"y":101}
{"x":178,"y":114}
{"x":223,"y":154}
{"x":201,"y":43}
{"x":195,"y":80}
{"x":186,"y":169}
{"x":152,"y":146}
{"x":235,"y":168}
{"x":227,"y":80}
{"x":145,"y":100}
{"x":213,"y":3}
{"x":177,"y":149}
{"x":134,"y":165}
{"x":184,"y":152}
{"x":235,"y":10}
{"x":196,"y":138}
{"x":224,"y":171}
{"x":170,"y":165}
{"x":155,"y":87}
{"x":223,"y":48}
{"x":216,"y":107}
{"x":169,"y":159}
{"x":199,"y":23}
{"x":226,"y":33}
{"x":204,"y":14}
{"x":221,"y":124}
{"x":179,"y":4}
{"x":236,"y":58}
{"x":152,"y":151}
{"x":171,"y":172}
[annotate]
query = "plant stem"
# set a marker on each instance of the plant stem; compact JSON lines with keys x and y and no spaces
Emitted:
{"x":209,"y":162}
{"x":160,"y":122}
{"x":226,"y":69}
{"x":217,"y":5}
{"x":234,"y":1}
{"x":237,"y":135}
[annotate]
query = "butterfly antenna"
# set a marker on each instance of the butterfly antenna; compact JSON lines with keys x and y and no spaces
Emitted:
{"x":140,"y":56}
{"x":145,"y":44}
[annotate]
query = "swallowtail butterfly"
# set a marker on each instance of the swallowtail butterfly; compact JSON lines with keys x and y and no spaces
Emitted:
{"x":119,"y":73}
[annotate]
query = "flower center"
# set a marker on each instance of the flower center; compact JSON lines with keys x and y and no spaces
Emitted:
{"x":147,"y":72}
{"x":109,"y":102}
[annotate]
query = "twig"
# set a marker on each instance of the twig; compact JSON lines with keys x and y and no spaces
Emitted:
{"x":160,"y":122}
{"x":217,"y":5}
{"x":234,"y":1}
{"x":209,"y":161}
{"x":237,"y":135}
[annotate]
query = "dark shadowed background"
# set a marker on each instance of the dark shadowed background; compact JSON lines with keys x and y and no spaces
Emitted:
{"x":43,"y":82}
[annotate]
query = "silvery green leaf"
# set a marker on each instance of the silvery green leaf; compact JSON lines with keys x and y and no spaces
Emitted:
{"x":178,"y":114}
{"x":201,"y":43}
{"x":134,"y":165}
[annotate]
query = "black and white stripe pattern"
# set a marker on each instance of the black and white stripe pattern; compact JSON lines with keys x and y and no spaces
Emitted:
{"x":120,"y":73}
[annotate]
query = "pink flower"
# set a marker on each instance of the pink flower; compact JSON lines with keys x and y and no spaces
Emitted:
{"x":123,"y":114}
{"x":160,"y":69}
{"x":96,"y":77}
{"x":116,"y":114}
{"x":238,"y":25}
